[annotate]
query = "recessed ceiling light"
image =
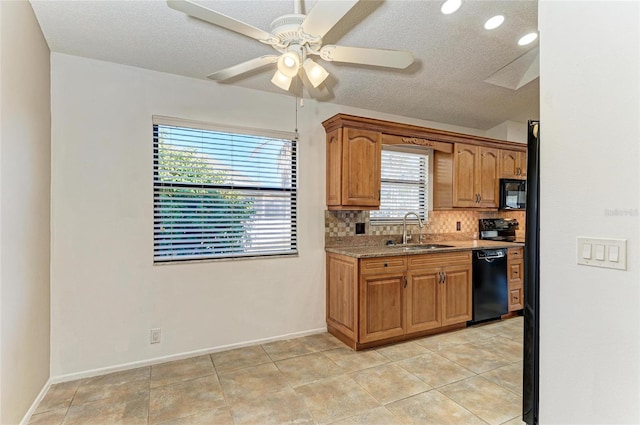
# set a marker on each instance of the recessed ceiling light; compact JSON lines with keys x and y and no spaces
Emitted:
{"x":493,"y":23}
{"x":529,"y":38}
{"x":450,"y":6}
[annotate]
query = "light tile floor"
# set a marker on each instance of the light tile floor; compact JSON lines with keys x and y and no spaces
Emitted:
{"x":471,"y":376}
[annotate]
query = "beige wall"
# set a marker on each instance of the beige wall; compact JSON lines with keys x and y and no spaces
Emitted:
{"x":24,"y":210}
{"x":106,"y":292}
{"x":509,"y":130}
{"x":590,"y":165}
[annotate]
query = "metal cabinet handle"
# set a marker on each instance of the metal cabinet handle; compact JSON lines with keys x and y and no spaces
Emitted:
{"x":405,"y":281}
{"x":442,"y":277}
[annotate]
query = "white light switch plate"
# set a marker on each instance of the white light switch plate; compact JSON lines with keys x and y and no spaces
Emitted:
{"x":608,"y":253}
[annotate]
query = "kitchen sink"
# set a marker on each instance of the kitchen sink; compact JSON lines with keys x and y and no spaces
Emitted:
{"x":419,"y":247}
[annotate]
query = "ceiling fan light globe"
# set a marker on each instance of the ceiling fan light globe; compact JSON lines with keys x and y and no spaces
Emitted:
{"x":315,"y":73}
{"x":289,"y":64}
{"x":281,"y":80}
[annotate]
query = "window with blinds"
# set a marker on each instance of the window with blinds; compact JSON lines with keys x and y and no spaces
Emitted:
{"x":220,"y":194}
{"x":404,"y":183}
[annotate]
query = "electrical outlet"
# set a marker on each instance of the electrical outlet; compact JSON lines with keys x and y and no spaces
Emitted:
{"x":156,"y":334}
{"x":359,"y":228}
{"x":458,"y":226}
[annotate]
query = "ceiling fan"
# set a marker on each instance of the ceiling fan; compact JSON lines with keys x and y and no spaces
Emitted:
{"x":296,"y":37}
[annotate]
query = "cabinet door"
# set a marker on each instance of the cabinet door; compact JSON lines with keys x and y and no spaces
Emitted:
{"x":361,"y":157}
{"x":464,"y":175}
{"x":381,"y":306}
{"x":487,"y":179}
{"x":423,"y":300}
{"x":456,"y":295}
{"x":509,"y":164}
{"x":513,"y":164}
{"x":523,"y":166}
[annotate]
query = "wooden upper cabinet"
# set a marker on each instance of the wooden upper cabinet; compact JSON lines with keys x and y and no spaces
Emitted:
{"x":465,"y":193}
{"x":361,"y":162}
{"x":513,"y":164}
{"x":475,"y":176}
{"x":488,"y":178}
{"x":466,"y":168}
{"x":334,"y":167}
{"x":353,"y":169}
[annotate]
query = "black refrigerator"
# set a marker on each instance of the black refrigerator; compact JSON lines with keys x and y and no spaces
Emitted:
{"x":530,"y":390}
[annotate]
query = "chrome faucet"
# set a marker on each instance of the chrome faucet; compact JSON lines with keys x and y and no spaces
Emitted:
{"x":404,"y":226}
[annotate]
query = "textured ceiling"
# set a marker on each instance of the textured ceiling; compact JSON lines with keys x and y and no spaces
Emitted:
{"x":454,"y":54}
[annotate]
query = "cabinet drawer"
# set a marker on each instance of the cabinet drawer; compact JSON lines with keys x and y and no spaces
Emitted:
{"x":515,"y":271}
{"x":383,"y":265}
{"x":427,"y":261}
{"x":516,"y":302}
{"x":515,"y":253}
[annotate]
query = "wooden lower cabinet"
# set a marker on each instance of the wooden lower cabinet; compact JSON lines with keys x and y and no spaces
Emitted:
{"x":457,"y":302}
{"x":398,"y":297}
{"x":341,"y":298}
{"x":440,"y":290}
{"x":515,"y":278}
{"x":381,"y":306}
{"x":423,"y":300}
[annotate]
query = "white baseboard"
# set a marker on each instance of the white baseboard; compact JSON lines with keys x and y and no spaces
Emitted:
{"x":27,"y":417}
{"x":172,"y":357}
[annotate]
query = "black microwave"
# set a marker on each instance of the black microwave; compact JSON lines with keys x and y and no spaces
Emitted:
{"x":513,"y":194}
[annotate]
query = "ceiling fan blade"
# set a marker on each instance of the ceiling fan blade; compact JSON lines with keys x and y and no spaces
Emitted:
{"x":378,"y":57}
{"x":195,"y":10}
{"x":243,"y":67}
{"x":324,"y":15}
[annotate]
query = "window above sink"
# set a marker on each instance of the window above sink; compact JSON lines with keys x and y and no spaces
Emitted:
{"x":405,"y":183}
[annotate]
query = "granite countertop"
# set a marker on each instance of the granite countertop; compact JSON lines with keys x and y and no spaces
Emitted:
{"x":415,"y":249}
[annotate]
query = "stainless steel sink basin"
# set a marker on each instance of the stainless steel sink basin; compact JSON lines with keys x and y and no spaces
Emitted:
{"x":419,"y":247}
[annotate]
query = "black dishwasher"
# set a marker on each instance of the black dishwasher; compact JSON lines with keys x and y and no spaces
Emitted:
{"x":490,"y":297}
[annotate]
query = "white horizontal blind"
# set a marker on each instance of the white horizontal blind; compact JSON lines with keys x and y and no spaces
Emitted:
{"x":220,"y":195}
{"x":403,"y":185}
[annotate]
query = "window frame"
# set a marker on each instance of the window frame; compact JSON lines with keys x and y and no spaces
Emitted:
{"x":233,"y":130}
{"x":428,"y":195}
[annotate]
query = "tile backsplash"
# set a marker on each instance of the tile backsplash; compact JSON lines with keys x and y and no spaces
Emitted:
{"x":440,"y":226}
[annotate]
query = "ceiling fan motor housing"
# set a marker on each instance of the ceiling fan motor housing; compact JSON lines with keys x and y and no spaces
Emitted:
{"x":287,"y":29}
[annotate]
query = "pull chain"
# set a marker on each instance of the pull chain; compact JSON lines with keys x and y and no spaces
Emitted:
{"x":296,"y":130}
